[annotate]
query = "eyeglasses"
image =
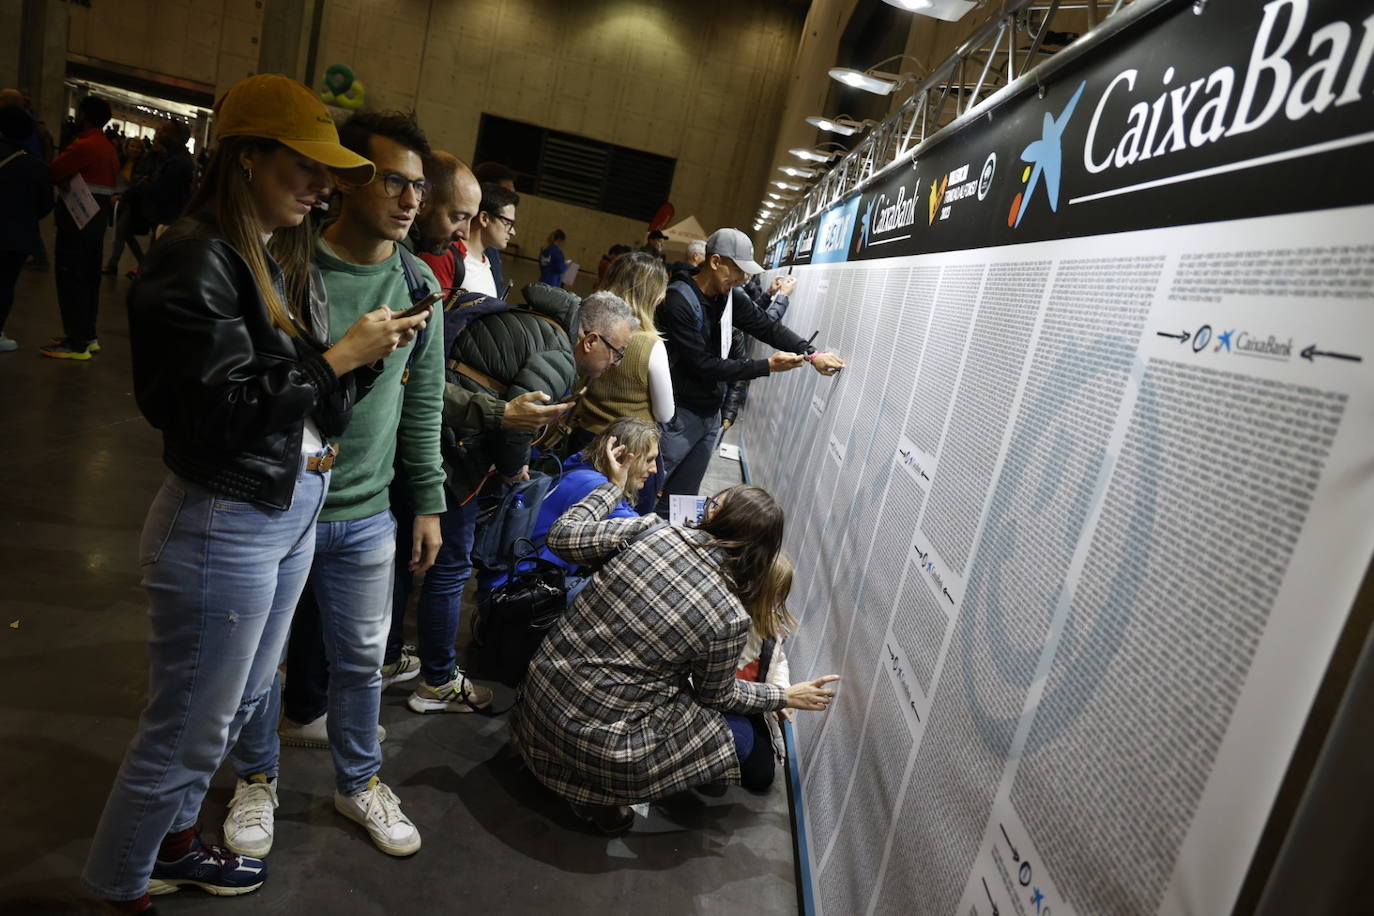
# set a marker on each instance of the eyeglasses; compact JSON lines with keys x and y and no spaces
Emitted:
{"x":394,"y":184}
{"x":706,"y":507}
{"x":618,"y":351}
{"x":510,"y":223}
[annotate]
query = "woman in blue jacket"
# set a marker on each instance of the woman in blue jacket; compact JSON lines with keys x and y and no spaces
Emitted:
{"x":552,"y":262}
{"x":583,"y":472}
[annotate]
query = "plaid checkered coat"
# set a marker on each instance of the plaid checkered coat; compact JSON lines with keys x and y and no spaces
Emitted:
{"x":623,"y":701}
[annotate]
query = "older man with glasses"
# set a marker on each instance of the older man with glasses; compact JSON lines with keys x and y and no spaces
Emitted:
{"x":340,"y":630}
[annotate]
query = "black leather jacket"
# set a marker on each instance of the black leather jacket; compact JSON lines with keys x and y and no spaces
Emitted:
{"x":229,"y":390}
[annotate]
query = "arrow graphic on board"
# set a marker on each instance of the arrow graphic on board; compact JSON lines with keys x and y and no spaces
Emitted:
{"x":1310,"y":352}
{"x":913,"y":710}
{"x":948,"y":595}
{"x":1015,"y":856}
{"x":992,"y":903}
{"x":1181,"y":338}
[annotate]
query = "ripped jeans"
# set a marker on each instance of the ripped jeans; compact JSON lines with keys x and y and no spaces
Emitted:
{"x":223,"y":577}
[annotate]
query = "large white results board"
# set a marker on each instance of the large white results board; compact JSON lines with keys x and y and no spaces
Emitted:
{"x":1083,"y":520}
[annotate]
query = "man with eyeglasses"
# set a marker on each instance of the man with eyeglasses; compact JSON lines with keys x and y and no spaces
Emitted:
{"x":492,"y":227}
{"x":341,"y":624}
{"x":696,"y":318}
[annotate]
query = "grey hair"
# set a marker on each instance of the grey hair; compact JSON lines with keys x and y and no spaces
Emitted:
{"x":696,"y":247}
{"x":602,"y":311}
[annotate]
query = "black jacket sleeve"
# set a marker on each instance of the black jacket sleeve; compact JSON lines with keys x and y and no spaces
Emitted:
{"x":196,"y":368}
{"x":736,"y":394}
{"x":752,"y":320}
{"x":689,"y":347}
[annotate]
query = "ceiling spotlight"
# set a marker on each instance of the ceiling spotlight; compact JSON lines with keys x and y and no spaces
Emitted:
{"x":813,"y":155}
{"x":869,"y":81}
{"x":788,"y":186}
{"x":796,"y":172}
{"x":842,"y":125}
{"x":948,"y":10}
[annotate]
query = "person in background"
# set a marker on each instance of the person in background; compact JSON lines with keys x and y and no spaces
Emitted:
{"x":25,"y":198}
{"x":696,"y":253}
{"x":445,"y":217}
{"x":695,"y":324}
{"x":497,"y":174}
{"x":129,"y":222}
{"x":492,"y":228}
{"x":552,"y":263}
{"x":78,"y":250}
{"x":654,"y":245}
{"x":630,"y":696}
{"x":232,"y":362}
{"x":774,"y":304}
{"x":642,"y":385}
{"x":604,"y":264}
{"x":38,"y":144}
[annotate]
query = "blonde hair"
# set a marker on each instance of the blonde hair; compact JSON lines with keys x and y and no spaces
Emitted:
{"x":224,"y":193}
{"x":636,"y":435}
{"x":639,"y":278}
{"x":770,"y":616}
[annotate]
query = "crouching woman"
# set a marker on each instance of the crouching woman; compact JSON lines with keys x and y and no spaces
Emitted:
{"x":626,"y":699}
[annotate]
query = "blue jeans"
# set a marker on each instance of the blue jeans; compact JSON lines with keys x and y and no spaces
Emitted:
{"x":222,"y":577}
{"x":351,"y":579}
{"x":441,"y":594}
{"x":685,"y":445}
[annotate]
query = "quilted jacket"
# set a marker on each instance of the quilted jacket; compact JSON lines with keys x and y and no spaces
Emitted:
{"x":522,"y":351}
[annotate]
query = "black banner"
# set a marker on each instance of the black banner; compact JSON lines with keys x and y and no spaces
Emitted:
{"x":1240,"y":110}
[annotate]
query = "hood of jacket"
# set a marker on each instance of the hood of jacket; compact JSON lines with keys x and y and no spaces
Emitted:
{"x":563,"y":306}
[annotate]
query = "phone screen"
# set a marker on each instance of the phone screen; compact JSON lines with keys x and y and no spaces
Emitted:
{"x":423,"y":305}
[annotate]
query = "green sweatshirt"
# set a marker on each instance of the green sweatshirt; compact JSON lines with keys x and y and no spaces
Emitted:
{"x":391,"y":414}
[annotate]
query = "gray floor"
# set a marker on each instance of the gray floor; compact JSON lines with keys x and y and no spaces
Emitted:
{"x":78,"y":466}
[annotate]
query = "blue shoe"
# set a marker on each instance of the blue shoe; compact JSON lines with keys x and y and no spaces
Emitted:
{"x":212,"y":869}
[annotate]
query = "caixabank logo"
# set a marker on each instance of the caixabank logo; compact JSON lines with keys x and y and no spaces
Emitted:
{"x":1293,"y":81}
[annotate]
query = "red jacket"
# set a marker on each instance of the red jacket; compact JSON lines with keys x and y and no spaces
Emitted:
{"x":93,"y":156}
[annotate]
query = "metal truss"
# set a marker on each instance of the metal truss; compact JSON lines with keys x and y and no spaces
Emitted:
{"x":1013,"y":46}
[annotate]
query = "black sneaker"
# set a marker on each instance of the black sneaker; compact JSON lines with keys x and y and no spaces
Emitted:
{"x":212,"y":869}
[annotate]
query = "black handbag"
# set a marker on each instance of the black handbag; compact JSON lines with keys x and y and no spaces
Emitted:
{"x":517,"y":614}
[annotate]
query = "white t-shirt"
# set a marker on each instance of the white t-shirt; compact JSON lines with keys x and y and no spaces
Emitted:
{"x":478,"y":278}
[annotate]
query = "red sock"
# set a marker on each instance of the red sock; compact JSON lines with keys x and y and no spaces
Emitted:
{"x":132,"y":906}
{"x":176,"y":845}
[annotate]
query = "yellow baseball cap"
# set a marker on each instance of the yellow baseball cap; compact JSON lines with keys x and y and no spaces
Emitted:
{"x":277,"y":107}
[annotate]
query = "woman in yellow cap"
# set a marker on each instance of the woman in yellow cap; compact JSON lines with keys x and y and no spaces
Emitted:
{"x":232,"y":363}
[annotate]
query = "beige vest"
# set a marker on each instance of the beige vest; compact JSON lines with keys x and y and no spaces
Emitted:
{"x":621,"y":391}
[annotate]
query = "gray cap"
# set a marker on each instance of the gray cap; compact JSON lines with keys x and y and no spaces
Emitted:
{"x":735,"y":245}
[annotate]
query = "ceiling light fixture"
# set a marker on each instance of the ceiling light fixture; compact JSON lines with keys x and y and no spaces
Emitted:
{"x":843,"y":125}
{"x":876,"y":81}
{"x":796,"y":172}
{"x":788,"y":186}
{"x":948,"y":10}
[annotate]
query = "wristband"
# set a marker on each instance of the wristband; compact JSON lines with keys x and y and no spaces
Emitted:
{"x":811,"y":357}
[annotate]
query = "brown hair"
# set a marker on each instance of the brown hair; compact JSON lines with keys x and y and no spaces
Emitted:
{"x":224,"y":194}
{"x":636,"y":435}
{"x":640,"y":279}
{"x":747,"y":522}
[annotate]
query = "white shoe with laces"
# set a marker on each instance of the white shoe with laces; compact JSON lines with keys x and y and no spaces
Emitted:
{"x":379,"y":810}
{"x":457,"y":695}
{"x":248,"y":828}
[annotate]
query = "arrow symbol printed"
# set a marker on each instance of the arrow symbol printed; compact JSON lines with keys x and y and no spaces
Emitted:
{"x":1015,"y":856}
{"x":1181,"y":338}
{"x":948,"y":595}
{"x":1311,"y":352}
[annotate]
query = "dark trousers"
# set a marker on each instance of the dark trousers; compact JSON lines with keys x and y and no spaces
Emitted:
{"x":305,"y":693}
{"x":125,"y":235}
{"x":441,"y":594}
{"x":76,"y":266}
{"x":685,"y":444}
{"x":11,"y":262}
{"x":754,"y":748}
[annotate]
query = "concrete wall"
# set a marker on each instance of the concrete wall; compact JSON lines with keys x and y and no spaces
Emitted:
{"x":698,"y":80}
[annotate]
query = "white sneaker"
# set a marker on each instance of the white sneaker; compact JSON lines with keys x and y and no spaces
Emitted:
{"x":379,"y":810}
{"x":8,"y":344}
{"x":311,"y":734}
{"x":458,"y":695}
{"x":248,"y":828}
{"x":405,"y":668}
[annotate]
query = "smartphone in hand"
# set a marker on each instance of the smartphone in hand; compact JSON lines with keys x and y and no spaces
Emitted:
{"x":423,"y":305}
